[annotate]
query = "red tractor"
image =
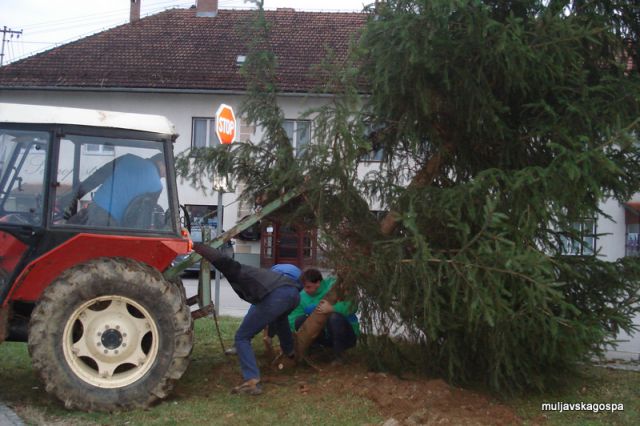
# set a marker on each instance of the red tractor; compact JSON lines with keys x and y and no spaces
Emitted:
{"x":89,"y":221}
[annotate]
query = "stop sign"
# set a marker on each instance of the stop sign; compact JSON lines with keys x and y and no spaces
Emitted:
{"x":225,"y":124}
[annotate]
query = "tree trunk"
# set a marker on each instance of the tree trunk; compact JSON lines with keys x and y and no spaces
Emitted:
{"x":313,"y":325}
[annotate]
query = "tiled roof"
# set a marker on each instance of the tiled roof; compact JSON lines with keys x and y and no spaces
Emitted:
{"x":177,"y":50}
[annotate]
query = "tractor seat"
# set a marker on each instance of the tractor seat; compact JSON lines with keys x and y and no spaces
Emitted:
{"x":139,"y":212}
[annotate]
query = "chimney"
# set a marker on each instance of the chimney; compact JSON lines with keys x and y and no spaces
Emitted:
{"x":134,"y":13}
{"x":207,"y":8}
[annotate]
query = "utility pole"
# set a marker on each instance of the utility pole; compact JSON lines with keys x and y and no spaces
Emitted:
{"x":10,"y":32}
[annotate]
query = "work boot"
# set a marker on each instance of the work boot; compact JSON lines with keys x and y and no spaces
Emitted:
{"x":250,"y":387}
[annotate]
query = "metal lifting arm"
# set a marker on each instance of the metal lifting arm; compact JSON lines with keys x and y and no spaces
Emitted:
{"x":240,"y":226}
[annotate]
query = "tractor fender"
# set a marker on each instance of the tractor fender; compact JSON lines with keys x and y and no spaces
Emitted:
{"x":157,"y":252}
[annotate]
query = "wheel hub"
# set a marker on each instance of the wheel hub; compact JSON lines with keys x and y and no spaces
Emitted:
{"x":111,"y":339}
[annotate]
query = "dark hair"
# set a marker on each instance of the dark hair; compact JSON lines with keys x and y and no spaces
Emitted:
{"x":311,"y":275}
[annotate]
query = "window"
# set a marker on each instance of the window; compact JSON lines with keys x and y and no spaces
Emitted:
{"x":373,"y":156}
{"x":124,"y":190}
{"x":581,"y":241}
{"x":299,"y":133}
{"x":632,"y":220}
{"x":99,"y":149}
{"x":203,"y":133}
{"x":22,"y":176}
{"x":632,"y":244}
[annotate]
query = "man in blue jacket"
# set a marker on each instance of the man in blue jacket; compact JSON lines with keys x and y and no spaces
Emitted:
{"x":120,"y":182}
{"x":273,"y":294}
{"x":131,"y":176}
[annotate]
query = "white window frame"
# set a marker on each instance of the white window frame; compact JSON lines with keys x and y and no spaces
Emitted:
{"x":293,"y":138}
{"x":102,"y":149}
{"x":375,"y":156}
{"x":586,"y":245}
{"x":210,"y":137}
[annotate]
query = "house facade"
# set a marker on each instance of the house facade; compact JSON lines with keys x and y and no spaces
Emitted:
{"x":184,"y":63}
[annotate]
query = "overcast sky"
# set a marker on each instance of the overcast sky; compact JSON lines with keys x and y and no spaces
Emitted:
{"x":49,"y":23}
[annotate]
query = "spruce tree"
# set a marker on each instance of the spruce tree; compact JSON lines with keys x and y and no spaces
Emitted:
{"x":501,"y":124}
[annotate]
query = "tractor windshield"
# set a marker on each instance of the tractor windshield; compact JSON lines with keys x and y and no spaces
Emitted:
{"x":111,"y":182}
{"x":22,"y":171}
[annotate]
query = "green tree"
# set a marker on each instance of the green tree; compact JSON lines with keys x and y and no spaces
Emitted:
{"x":501,"y":124}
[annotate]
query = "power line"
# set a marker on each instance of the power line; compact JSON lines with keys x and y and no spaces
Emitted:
{"x":119,"y":11}
{"x":11,"y":33}
{"x":96,"y":22}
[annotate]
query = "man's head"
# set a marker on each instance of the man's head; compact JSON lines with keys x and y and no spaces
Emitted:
{"x":311,"y":279}
{"x":158,"y":160}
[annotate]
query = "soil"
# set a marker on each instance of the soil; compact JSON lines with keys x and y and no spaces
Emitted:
{"x":415,"y":401}
{"x":400,"y":401}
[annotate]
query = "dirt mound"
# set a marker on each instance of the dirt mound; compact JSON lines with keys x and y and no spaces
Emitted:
{"x":411,"y":402}
{"x":432,"y":402}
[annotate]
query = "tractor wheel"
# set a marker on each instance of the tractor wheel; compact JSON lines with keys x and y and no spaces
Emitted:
{"x":110,"y":334}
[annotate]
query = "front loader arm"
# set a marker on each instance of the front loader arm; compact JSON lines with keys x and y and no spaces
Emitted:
{"x":246,"y":223}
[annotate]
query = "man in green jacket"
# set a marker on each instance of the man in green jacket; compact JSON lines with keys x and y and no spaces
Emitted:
{"x":341,"y":329}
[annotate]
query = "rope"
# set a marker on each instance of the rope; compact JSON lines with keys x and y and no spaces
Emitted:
{"x":215,"y":319}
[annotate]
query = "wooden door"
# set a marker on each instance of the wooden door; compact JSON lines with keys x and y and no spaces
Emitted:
{"x":292,"y":244}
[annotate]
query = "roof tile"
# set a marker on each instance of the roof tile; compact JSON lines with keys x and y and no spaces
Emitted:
{"x":177,"y":50}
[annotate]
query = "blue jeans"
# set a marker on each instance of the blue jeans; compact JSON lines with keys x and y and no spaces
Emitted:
{"x":338,"y":333}
{"x":273,"y":309}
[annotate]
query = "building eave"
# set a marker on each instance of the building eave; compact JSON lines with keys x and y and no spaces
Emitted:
{"x":156,"y":90}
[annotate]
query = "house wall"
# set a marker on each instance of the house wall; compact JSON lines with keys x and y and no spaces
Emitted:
{"x":612,"y":247}
{"x":180,"y":108}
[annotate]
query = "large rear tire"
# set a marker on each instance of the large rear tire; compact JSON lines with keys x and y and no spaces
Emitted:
{"x":110,"y":334}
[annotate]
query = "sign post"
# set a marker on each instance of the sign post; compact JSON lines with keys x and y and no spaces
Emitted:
{"x":218,"y":233}
{"x":226,"y":132}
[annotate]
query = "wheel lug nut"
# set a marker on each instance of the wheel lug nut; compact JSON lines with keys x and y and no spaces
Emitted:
{"x":99,"y":344}
{"x":106,"y":351}
{"x":106,"y":327}
{"x":124,"y":334}
{"x":117,"y":327}
{"x":124,"y":344}
{"x":99,"y":333}
{"x":116,"y":351}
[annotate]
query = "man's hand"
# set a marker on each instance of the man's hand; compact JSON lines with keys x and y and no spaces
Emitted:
{"x":324,"y":307}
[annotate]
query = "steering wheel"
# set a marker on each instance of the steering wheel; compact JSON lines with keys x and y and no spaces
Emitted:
{"x":19,"y":218}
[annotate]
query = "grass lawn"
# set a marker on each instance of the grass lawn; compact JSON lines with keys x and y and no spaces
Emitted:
{"x":348,"y":395}
{"x":200,"y":397}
